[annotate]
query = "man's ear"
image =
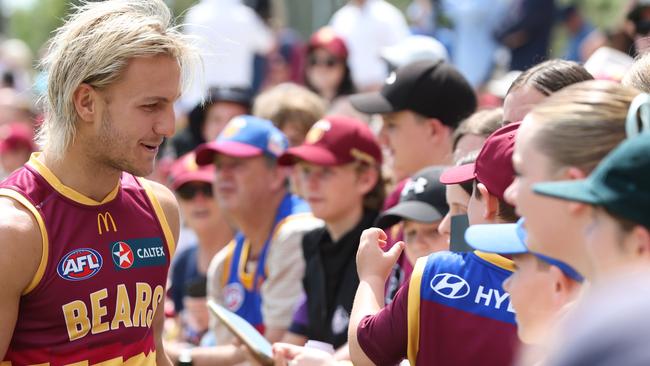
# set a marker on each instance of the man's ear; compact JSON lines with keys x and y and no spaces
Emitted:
{"x":438,"y":129}
{"x":279,"y":176}
{"x":491,"y":202}
{"x":563,"y":286}
{"x":85,"y":102}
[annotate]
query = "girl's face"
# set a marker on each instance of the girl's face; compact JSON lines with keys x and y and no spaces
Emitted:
{"x":325,"y":71}
{"x":553,"y":227}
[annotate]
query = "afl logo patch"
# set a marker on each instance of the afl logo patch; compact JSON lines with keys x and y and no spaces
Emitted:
{"x":79,"y":264}
{"x":233,"y":293}
{"x":122,"y":255}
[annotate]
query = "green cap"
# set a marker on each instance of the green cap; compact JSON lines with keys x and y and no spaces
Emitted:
{"x":620,"y":183}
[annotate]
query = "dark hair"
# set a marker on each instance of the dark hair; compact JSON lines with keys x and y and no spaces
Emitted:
{"x":481,"y":123}
{"x":346,"y":87}
{"x":468,"y":187}
{"x":505,"y":211}
{"x":550,"y":76}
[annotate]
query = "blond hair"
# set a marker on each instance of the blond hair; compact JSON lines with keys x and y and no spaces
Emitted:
{"x":288,"y":102}
{"x":580,"y":124}
{"x":638,"y":75}
{"x":94,"y":46}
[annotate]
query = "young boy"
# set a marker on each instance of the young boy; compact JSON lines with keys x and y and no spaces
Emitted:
{"x":453,"y":311}
{"x":539,"y":287}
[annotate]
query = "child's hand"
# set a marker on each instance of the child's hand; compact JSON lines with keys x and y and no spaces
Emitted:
{"x":372,"y":261}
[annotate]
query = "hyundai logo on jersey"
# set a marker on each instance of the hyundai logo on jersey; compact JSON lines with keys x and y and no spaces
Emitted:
{"x":134,"y":253}
{"x":79,"y":264}
{"x":450,"y":286}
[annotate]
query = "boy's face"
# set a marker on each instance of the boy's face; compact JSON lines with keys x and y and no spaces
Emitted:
{"x":423,"y":239}
{"x":531,"y":288}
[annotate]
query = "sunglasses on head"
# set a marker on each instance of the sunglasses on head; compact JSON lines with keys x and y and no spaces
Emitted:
{"x":327,"y":61}
{"x":189,"y":191}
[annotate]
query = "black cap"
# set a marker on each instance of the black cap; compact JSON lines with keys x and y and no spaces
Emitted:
{"x":635,"y":11}
{"x":422,"y":199}
{"x":433,"y":89}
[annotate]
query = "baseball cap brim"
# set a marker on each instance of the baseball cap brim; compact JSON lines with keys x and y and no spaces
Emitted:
{"x":458,"y":174}
{"x":409,"y":210}
{"x":371,"y":103}
{"x":205,"y":153}
{"x":195,"y":176}
{"x":309,"y":153}
{"x":575,"y":190}
{"x":496,"y":238}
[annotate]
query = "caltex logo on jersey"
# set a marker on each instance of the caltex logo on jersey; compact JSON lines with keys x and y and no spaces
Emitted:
{"x":122,"y":255}
{"x":79,"y":264}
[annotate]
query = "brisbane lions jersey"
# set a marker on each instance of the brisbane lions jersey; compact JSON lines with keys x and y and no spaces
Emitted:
{"x":101,"y":276}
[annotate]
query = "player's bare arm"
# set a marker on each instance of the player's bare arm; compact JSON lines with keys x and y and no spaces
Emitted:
{"x":20,"y":255}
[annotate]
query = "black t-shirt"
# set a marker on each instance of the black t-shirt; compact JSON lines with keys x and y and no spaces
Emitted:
{"x":331,"y":282}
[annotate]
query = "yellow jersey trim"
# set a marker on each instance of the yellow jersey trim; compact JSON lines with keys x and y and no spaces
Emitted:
{"x":160,"y":213}
{"x":497,"y":260}
{"x":45,"y":241}
{"x":413,"y":310}
{"x":225,"y":274}
{"x":65,"y":190}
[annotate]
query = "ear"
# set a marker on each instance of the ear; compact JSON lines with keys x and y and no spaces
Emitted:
{"x":438,"y":129}
{"x":641,"y":237}
{"x":367,"y":179}
{"x":279,"y":175}
{"x":574,"y":173}
{"x":85,"y":102}
{"x":562,"y":285}
{"x":491,"y":202}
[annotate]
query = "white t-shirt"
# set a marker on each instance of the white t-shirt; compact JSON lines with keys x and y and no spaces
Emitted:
{"x":229,"y":34}
{"x":366,"y":30}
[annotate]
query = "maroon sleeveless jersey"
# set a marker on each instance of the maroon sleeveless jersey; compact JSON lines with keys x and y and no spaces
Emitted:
{"x":101,"y":276}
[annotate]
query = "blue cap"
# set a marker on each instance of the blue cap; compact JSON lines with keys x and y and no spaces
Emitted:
{"x":511,"y":239}
{"x":244,"y":137}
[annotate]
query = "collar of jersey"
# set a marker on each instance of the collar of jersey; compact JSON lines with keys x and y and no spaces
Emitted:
{"x":65,"y":190}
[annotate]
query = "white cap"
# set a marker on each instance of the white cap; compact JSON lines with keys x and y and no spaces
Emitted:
{"x":414,"y":48}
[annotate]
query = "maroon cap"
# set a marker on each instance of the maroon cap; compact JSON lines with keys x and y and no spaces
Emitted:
{"x":16,"y":135}
{"x":336,"y":140}
{"x":327,"y":38}
{"x":185,"y":170}
{"x":493,"y":165}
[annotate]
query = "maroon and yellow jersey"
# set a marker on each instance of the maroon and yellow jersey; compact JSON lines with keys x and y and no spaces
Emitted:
{"x":101,"y":276}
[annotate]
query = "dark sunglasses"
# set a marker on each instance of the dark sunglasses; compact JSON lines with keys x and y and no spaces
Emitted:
{"x":189,"y":191}
{"x":328,"y":61}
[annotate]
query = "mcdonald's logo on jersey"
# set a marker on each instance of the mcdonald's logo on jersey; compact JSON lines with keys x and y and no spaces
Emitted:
{"x":105,"y":222}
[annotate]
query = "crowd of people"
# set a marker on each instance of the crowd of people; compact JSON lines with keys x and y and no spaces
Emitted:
{"x":394,"y":195}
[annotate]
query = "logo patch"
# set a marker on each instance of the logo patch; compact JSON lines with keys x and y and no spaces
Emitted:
{"x":450,"y":286}
{"x":134,"y":253}
{"x":233,"y":294}
{"x":79,"y":264}
{"x":317,"y":131}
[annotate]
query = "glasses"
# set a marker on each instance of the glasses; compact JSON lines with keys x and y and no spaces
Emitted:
{"x":189,"y":191}
{"x":327,"y":61}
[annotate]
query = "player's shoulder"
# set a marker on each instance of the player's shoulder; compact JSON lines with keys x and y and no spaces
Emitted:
{"x":21,"y":240}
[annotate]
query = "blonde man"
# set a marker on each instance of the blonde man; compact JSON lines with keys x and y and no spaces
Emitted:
{"x":85,"y":242}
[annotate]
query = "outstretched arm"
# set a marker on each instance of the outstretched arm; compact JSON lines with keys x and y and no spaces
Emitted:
{"x":373,"y":265}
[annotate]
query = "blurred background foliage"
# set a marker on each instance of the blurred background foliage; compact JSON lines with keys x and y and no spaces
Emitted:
{"x":34,"y":20}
